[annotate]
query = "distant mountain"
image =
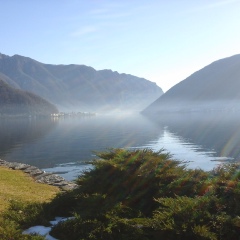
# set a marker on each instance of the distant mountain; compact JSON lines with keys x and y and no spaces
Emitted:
{"x":17,"y":102}
{"x":213,"y":88}
{"x":78,"y":87}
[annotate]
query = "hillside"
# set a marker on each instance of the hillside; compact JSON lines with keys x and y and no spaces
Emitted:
{"x":17,"y":102}
{"x":213,"y":88}
{"x":78,"y":87}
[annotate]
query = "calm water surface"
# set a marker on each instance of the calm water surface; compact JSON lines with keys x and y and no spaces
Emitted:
{"x":65,"y":145}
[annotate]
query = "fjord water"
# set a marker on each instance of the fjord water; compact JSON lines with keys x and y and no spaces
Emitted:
{"x":65,"y":145}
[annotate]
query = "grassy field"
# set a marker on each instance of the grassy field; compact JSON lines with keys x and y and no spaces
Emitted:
{"x":16,"y":185}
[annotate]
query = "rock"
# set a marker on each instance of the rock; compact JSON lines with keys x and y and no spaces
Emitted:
{"x":41,"y":176}
{"x":14,"y":165}
{"x":30,"y":169}
{"x":59,"y":184}
{"x":21,"y":166}
{"x":11,"y":164}
{"x":55,"y":180}
{"x":50,"y":179}
{"x":69,"y":187}
{"x":44,"y":174}
{"x":36,"y":172}
{"x":2,"y":162}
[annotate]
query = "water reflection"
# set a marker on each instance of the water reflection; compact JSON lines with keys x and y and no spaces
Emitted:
{"x":216,"y":134}
{"x":192,"y":155}
{"x":14,"y":133}
{"x":65,"y":145}
{"x":75,"y":139}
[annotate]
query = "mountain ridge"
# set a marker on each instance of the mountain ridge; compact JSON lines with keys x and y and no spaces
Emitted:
{"x":78,"y":86}
{"x":214,"y":87}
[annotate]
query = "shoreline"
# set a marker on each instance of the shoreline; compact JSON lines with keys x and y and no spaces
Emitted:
{"x":40,"y":176}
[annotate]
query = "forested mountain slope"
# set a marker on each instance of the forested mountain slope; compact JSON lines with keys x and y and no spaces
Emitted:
{"x":17,"y":102}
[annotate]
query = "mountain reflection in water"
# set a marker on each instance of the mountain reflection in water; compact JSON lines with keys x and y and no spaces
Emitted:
{"x":64,"y":145}
{"x":215,"y":132}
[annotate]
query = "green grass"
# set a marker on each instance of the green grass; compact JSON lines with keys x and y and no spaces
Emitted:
{"x":16,"y":185}
{"x":21,"y":203}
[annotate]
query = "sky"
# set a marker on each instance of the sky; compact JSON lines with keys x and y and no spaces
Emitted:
{"x":163,"y":41}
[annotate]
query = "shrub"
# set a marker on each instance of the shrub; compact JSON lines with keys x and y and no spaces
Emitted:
{"x":10,"y":230}
{"x":26,"y":214}
{"x":144,"y":195}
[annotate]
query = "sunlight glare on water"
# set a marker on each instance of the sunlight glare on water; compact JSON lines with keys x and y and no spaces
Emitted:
{"x":195,"y":156}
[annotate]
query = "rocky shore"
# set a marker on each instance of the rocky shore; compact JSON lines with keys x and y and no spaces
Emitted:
{"x":40,"y":176}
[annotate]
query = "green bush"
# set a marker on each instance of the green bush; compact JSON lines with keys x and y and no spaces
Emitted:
{"x":20,"y":216}
{"x":144,"y":195}
{"x":26,"y":214}
{"x":10,"y":230}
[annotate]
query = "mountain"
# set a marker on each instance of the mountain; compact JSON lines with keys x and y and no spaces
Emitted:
{"x":78,"y":87}
{"x":213,"y":88}
{"x":17,"y":102}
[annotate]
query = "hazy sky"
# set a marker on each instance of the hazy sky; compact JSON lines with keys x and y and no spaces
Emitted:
{"x":161,"y":40}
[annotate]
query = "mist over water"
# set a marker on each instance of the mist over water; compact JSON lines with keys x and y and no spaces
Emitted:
{"x":64,"y":145}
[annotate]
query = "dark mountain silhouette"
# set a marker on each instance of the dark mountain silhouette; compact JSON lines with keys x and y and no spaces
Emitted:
{"x":17,"y":102}
{"x":213,"y":88}
{"x":78,"y":86}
